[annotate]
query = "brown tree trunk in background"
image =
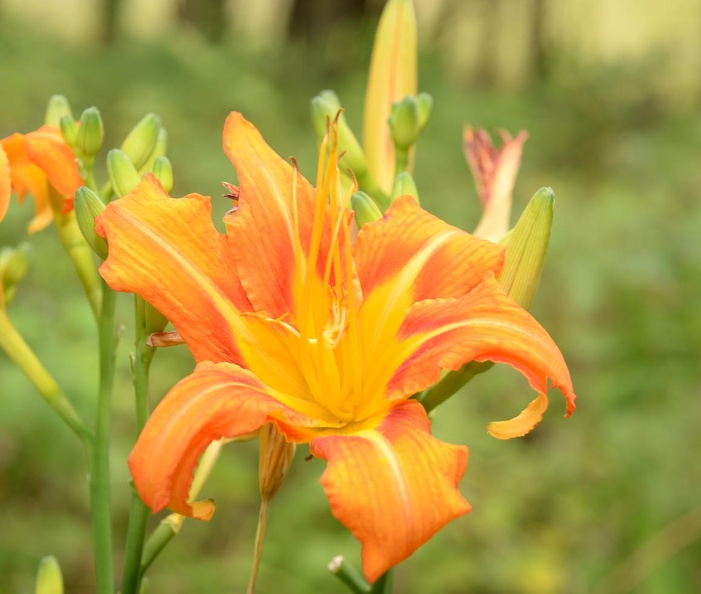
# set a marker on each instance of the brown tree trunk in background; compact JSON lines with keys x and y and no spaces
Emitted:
{"x":207,"y":16}
{"x":108,"y":20}
{"x":541,"y":54}
{"x":311,"y":18}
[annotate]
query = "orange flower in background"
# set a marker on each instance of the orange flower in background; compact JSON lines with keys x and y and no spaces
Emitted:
{"x":30,"y":163}
{"x":293,"y":323}
{"x":494,"y":171}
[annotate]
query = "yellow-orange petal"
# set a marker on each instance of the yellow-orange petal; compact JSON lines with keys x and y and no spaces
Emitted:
{"x":262,"y":231}
{"x":483,"y":325}
{"x":440,"y":260}
{"x":48,"y":151}
{"x":5,"y":183}
{"x":215,"y":401}
{"x":393,"y":487}
{"x":167,"y":251}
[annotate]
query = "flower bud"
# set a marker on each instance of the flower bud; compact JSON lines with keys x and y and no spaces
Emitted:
{"x":404,"y":184}
{"x":366,"y":211}
{"x":425,"y":104}
{"x":49,"y":577}
{"x":57,"y":108}
{"x":404,"y":123}
{"x":526,"y":246}
{"x":87,"y":206}
{"x":159,"y":150}
{"x":276,"y":455}
{"x":14,"y":264}
{"x":393,"y":75}
{"x":91,"y":132}
{"x":69,"y":129}
{"x":122,"y":173}
{"x":325,"y":108}
{"x":163,"y":170}
{"x":141,"y":141}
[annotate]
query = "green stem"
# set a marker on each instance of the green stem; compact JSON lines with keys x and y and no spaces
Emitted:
{"x":384,"y":584}
{"x":401,"y":161}
{"x":160,"y":537}
{"x":451,"y":383}
{"x":349,"y":575}
{"x":138,"y":516}
{"x":100,"y":478}
{"x":78,"y":251}
{"x":22,"y":355}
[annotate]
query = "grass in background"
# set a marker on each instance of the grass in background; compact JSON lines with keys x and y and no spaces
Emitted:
{"x":558,"y":511}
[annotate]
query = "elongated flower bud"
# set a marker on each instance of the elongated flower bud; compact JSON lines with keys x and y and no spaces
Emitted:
{"x":122,"y":173}
{"x":404,"y":184}
{"x":159,"y":150}
{"x":404,"y":123}
{"x":527,"y":245}
{"x":69,"y":129}
{"x":91,"y":132}
{"x":393,"y":75}
{"x":57,"y":108}
{"x":141,"y":141}
{"x":276,"y":455}
{"x":14,"y":264}
{"x":49,"y":577}
{"x":163,"y":170}
{"x":366,"y":211}
{"x":87,"y":206}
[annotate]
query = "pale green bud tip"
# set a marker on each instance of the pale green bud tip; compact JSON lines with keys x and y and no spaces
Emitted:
{"x":142,"y":140}
{"x":57,"y":108}
{"x":366,"y":211}
{"x":325,"y":106}
{"x":163,"y":171}
{"x":404,"y":123}
{"x":69,"y":129}
{"x":526,"y":248}
{"x":122,"y":173}
{"x":91,"y":132}
{"x":425,"y":104}
{"x":49,"y":578}
{"x":404,"y":184}
{"x":87,"y":206}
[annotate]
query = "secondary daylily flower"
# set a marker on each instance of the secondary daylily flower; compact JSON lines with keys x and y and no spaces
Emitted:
{"x":33,"y":162}
{"x":494,"y":171}
{"x":292,"y":323}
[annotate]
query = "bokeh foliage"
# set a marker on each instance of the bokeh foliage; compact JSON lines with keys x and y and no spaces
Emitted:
{"x":559,"y":511}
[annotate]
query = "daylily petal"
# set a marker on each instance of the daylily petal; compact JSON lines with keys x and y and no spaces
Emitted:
{"x":263,"y":229}
{"x":47,"y":149}
{"x":394,"y":487}
{"x":484,"y":325}
{"x":436,"y":259}
{"x":215,"y":401}
{"x":5,"y":183}
{"x":408,"y":256}
{"x":26,"y":177}
{"x":167,"y":251}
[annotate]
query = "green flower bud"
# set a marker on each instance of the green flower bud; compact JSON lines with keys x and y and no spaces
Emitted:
{"x":87,"y":206}
{"x":404,"y":184}
{"x":404,"y":123}
{"x":91,"y":132}
{"x":141,"y":141}
{"x":163,"y":170}
{"x":366,"y":211}
{"x":425,"y":104}
{"x":122,"y":173}
{"x":159,"y":150}
{"x":526,"y":246}
{"x":14,"y":264}
{"x":69,"y":129}
{"x":49,"y":577}
{"x":326,"y":108}
{"x":57,"y":108}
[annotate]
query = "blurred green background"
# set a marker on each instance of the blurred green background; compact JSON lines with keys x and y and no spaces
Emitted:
{"x":605,"y":502}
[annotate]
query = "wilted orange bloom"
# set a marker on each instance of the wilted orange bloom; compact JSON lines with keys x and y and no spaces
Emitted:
{"x":293,"y":323}
{"x":30,"y":163}
{"x":494,"y":171}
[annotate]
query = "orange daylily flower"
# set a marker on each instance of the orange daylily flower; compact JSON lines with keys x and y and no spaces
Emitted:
{"x":293,"y":323}
{"x":494,"y":171}
{"x":30,"y":163}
